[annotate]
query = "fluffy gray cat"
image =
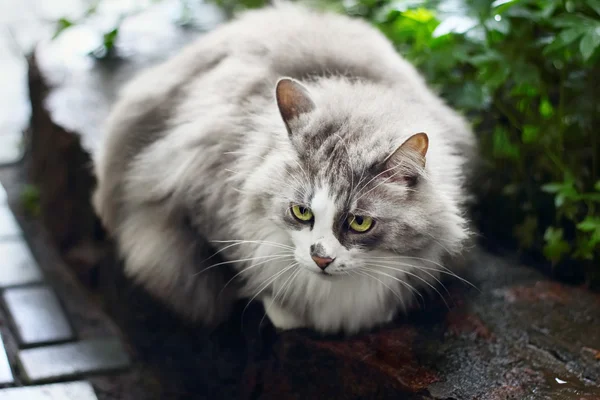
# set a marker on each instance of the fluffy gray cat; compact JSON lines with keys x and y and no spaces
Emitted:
{"x":300,"y":148}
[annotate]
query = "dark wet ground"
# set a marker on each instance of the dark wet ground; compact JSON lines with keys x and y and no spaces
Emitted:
{"x":521,"y":337}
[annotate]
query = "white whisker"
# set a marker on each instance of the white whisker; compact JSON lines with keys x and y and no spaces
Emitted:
{"x":241,"y":241}
{"x":269,"y":258}
{"x":365,"y":273}
{"x":418,"y":277}
{"x":253,"y":266}
{"x":444,"y":270}
{"x":295,"y":274}
{"x":274,"y":299}
{"x":269,"y":282}
{"x":408,"y":285}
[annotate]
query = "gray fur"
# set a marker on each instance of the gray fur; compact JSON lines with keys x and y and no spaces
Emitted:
{"x":197,"y":155}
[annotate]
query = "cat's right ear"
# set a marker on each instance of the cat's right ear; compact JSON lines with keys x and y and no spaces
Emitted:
{"x":293,"y":100}
{"x":407,"y":163}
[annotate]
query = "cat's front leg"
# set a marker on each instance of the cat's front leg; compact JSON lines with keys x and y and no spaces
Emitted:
{"x":280,"y":317}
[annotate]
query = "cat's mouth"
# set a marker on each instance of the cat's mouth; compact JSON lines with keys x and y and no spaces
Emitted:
{"x":324,"y":274}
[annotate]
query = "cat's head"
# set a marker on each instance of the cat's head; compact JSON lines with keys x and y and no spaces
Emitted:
{"x":353,"y":198}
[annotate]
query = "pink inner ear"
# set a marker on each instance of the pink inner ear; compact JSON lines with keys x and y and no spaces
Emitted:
{"x":418,"y":143}
{"x":405,"y":165}
{"x":292,"y":99}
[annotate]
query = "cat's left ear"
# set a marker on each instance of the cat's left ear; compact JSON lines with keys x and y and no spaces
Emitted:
{"x":407,"y":162}
{"x":293,"y":100}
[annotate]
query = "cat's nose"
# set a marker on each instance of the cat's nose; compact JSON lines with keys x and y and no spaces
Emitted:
{"x":322,"y":262}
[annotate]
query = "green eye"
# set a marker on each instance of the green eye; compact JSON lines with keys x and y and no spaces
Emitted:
{"x":360,"y":224}
{"x":302,"y":214}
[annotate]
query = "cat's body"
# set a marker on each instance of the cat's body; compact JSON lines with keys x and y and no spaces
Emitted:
{"x":202,"y":152}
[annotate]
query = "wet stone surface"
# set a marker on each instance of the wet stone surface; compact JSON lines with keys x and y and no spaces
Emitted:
{"x":37,"y":315}
{"x":88,"y":321}
{"x":54,"y":391}
{"x":519,"y":336}
{"x":8,"y":225}
{"x":69,"y":360}
{"x":17,"y":265}
{"x":6,"y":375}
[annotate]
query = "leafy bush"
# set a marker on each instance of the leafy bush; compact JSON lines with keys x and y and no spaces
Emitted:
{"x":526,"y":73}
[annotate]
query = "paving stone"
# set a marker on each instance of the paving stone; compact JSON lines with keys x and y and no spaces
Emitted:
{"x":6,"y":375}
{"x":38,"y":315}
{"x":73,"y":359}
{"x":17,"y":265}
{"x":8,"y":224}
{"x":56,"y":391}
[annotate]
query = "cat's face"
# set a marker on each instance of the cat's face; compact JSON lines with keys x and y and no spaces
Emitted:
{"x":349,"y":204}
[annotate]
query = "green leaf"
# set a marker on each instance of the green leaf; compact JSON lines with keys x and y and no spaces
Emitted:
{"x":556,"y":247}
{"x":595,"y":239}
{"x":568,"y":36}
{"x":548,"y":8}
{"x":503,"y":146}
{"x":61,"y":25}
{"x":498,"y":3}
{"x":530,"y":133}
{"x":553,"y":187}
{"x":546,"y":109}
{"x":525,"y":89}
{"x":590,"y":43}
{"x":589,"y":224}
{"x":585,"y":247}
{"x":419,"y":15}
{"x":490,"y":56}
{"x":572,"y":20}
{"x":597,"y":186}
{"x":595,"y":5}
{"x":471,"y":96}
{"x":559,"y":200}
{"x":564,"y":38}
{"x":30,"y":200}
{"x":110,"y":38}
{"x":591,"y":196}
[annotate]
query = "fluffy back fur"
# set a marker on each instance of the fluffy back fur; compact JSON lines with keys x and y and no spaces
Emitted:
{"x":213,"y":152}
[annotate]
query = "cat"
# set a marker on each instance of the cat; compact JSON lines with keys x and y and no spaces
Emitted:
{"x":290,"y":156}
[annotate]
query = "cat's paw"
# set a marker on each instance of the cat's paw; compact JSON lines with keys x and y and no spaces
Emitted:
{"x":281,"y":318}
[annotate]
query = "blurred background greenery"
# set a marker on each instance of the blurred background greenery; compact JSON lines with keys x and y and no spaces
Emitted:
{"x":526,"y":74}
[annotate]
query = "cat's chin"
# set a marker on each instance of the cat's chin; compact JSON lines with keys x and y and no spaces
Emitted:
{"x":326,"y":275}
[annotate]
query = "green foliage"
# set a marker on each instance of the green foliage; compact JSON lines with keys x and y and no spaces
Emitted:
{"x":30,"y":200}
{"x":109,"y":34}
{"x":526,"y":73}
{"x":108,"y":38}
{"x":61,"y":25}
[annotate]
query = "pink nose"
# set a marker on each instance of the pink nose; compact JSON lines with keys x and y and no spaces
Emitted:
{"x":322,"y":262}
